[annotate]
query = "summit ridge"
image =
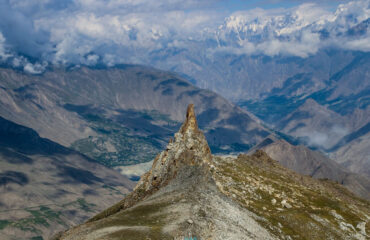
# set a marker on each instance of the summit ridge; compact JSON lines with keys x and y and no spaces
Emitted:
{"x":191,"y":193}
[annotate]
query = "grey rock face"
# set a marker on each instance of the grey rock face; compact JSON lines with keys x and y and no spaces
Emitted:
{"x":355,"y":154}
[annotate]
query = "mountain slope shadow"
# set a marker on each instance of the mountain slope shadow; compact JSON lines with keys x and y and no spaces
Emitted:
{"x":45,"y":187}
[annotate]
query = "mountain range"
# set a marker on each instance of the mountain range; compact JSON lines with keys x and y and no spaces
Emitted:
{"x":124,"y":115}
{"x":91,"y":98}
{"x":269,"y":62}
{"x":273,"y":86}
{"x":120,"y":116}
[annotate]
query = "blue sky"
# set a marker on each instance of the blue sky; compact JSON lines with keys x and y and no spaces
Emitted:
{"x":237,"y":5}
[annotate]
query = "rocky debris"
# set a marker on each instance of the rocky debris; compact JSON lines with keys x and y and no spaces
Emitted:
{"x":285,"y":204}
{"x":259,"y":183}
{"x":335,"y":215}
{"x":362,"y":227}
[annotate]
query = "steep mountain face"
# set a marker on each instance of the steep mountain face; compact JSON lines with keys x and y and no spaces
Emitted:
{"x":46,"y":187}
{"x":314,"y":125}
{"x":307,"y":162}
{"x":353,"y":151}
{"x":322,"y":106}
{"x":241,"y":77}
{"x":317,"y":125}
{"x":342,"y":87}
{"x":190,"y":193}
{"x":120,"y":115}
{"x":343,"y":137}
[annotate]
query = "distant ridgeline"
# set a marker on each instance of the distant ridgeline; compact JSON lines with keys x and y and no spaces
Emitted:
{"x":122,"y":115}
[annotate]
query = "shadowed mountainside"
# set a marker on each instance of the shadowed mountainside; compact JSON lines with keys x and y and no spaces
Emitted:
{"x":45,"y":187}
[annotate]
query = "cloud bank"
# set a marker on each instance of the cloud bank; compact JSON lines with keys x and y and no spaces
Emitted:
{"x":34,"y":33}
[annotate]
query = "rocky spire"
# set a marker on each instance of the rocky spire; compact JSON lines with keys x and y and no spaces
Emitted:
{"x":190,"y":123}
{"x":189,"y":148}
{"x":188,"y":151}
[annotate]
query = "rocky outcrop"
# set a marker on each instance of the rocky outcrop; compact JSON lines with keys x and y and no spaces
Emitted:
{"x":180,"y":188}
{"x":188,"y":193}
{"x":189,"y":148}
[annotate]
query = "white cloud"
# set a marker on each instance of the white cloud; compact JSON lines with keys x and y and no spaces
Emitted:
{"x":4,"y":55}
{"x":325,"y":139}
{"x":119,"y":31}
{"x":76,"y":36}
{"x":359,"y":44}
{"x":36,"y":68}
{"x":307,"y":45}
{"x":19,"y":61}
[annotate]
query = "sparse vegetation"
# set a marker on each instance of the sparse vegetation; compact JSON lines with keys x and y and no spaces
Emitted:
{"x":85,"y":206}
{"x":37,"y":238}
{"x":111,"y":189}
{"x":45,"y":216}
{"x":41,"y":216}
{"x":141,"y":222}
{"x":4,"y":223}
{"x":316,"y":209}
{"x":131,"y":137}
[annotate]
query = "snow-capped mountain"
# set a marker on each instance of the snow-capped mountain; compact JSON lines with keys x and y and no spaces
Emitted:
{"x":97,"y":35}
{"x":306,"y":27}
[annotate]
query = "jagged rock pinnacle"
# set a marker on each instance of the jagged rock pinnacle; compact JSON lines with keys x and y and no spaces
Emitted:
{"x":189,"y":148}
{"x":190,"y":121}
{"x":189,"y":151}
